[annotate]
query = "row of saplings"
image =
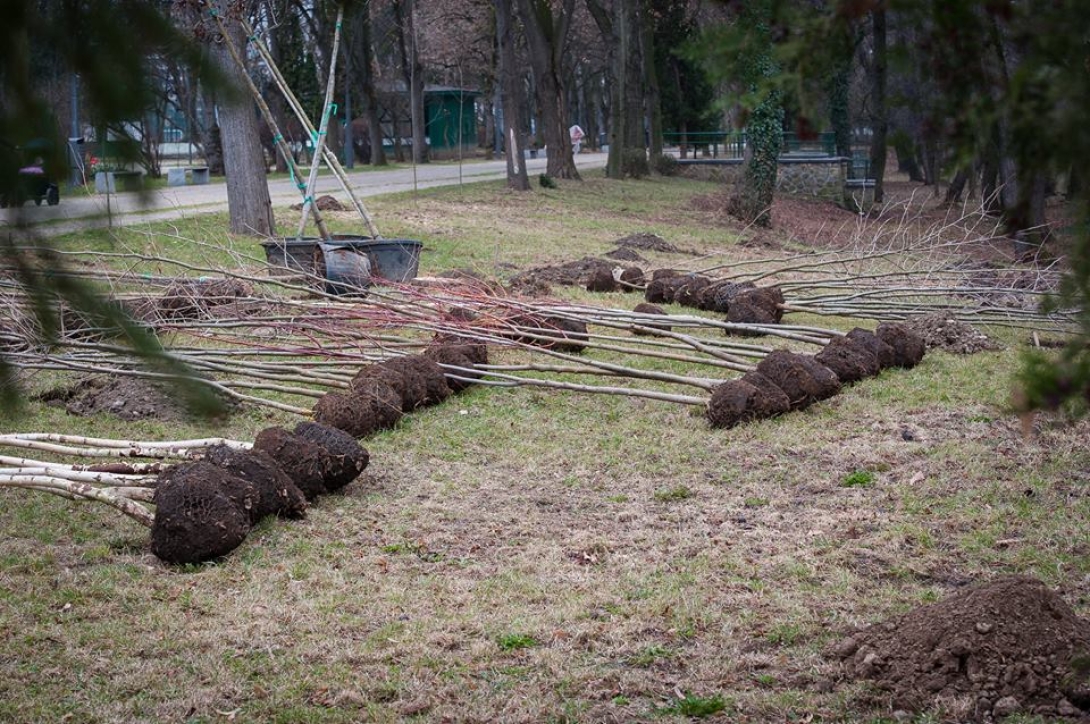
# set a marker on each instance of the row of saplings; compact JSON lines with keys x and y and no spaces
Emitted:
{"x":206,"y":508}
{"x":785,"y":381}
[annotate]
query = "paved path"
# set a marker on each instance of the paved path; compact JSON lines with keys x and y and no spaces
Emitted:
{"x":87,"y":211}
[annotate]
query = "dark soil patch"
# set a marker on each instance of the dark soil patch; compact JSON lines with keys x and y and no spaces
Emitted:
{"x":801,"y":378}
{"x":276,"y":493}
{"x":645,"y":308}
{"x":850,"y":360}
{"x":624,"y":254}
{"x":882,"y":352}
{"x":1008,"y":646}
{"x":742,"y":400}
{"x":200,"y":513}
{"x":908,"y":347}
{"x":650,"y":242}
{"x":571,"y":274}
{"x":941,"y":331}
{"x":306,"y":463}
{"x":129,"y":398}
{"x":601,"y":280}
{"x":347,"y":458}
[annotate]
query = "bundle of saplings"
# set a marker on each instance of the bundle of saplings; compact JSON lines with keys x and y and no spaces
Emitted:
{"x":204,"y":509}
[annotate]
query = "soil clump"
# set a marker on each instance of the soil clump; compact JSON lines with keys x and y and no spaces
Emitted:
{"x":742,"y":400}
{"x":908,"y":347}
{"x":631,"y":278}
{"x":602,"y":280}
{"x":850,"y":360}
{"x":645,"y":308}
{"x":347,"y":458}
{"x":200,"y":513}
{"x":941,"y":331}
{"x":456,"y":355}
{"x":276,"y":493}
{"x":307,"y":463}
{"x":882,"y":352}
{"x":1008,"y":646}
{"x":570,"y":274}
{"x":801,"y":378}
{"x":370,"y":405}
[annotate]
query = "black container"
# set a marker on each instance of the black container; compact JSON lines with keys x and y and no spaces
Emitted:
{"x":348,"y":263}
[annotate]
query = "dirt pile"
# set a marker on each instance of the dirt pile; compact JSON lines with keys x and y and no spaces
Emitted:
{"x":324,"y":202}
{"x":645,"y":241}
{"x":624,"y":254}
{"x":1009,"y":646}
{"x":941,"y":331}
{"x":129,"y":398}
{"x":571,"y":274}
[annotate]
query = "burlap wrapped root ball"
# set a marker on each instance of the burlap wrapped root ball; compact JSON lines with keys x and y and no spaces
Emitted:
{"x":908,"y":347}
{"x":631,"y":279}
{"x":802,"y":378}
{"x":456,"y":355}
{"x":645,"y":308}
{"x":305,"y":462}
{"x":277,"y":494}
{"x":202,"y":512}
{"x":737,"y":401}
{"x":760,"y":305}
{"x":601,"y":280}
{"x":347,"y":458}
{"x":849,"y":359}
{"x":882,"y":352}
{"x":369,"y":406}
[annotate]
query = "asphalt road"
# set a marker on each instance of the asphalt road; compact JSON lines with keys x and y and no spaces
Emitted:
{"x":79,"y":210}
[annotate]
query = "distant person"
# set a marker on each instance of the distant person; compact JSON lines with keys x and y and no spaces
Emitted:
{"x":577,"y":136}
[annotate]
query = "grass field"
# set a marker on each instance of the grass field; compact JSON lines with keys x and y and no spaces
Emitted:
{"x":525,"y":555}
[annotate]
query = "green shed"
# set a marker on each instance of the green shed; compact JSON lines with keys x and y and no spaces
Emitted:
{"x":451,"y":119}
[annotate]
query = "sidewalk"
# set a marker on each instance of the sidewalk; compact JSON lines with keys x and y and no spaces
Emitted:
{"x":89,"y":211}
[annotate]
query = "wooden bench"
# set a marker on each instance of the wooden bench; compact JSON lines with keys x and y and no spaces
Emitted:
{"x":197,"y":175}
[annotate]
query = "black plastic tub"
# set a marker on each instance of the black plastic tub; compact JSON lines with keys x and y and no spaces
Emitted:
{"x":348,"y":264}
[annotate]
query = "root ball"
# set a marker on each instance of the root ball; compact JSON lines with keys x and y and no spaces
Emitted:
{"x":881,"y":351}
{"x":305,"y":462}
{"x":276,"y":493}
{"x":347,"y":459}
{"x":196,"y":517}
{"x":851,"y":361}
{"x":908,"y":347}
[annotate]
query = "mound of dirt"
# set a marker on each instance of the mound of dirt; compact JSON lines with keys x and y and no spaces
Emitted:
{"x":801,"y":378}
{"x":276,"y":493}
{"x":649,"y":242}
{"x":940,"y":330}
{"x":882,"y":352}
{"x":850,"y":360}
{"x":908,"y":347}
{"x":986,"y":652}
{"x":645,"y":308}
{"x":571,"y":274}
{"x":129,"y":398}
{"x":631,"y":277}
{"x":457,"y":355}
{"x":601,"y":280}
{"x":305,"y":462}
{"x":191,"y":298}
{"x":624,"y":254}
{"x":201,"y":513}
{"x":347,"y":458}
{"x":742,"y":400}
{"x":324,"y":203}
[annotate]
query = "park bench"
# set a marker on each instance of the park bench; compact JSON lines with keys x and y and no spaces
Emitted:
{"x":181,"y":175}
{"x":114,"y":181}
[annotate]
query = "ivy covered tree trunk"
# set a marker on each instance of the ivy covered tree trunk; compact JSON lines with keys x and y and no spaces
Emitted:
{"x":752,"y":198}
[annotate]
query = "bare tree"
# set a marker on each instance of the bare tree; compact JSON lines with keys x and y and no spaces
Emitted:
{"x":509,"y":81}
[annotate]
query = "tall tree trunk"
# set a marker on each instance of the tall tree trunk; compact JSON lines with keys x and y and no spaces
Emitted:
{"x":620,"y":31}
{"x":365,"y":69}
{"x":413,"y":73}
{"x":547,"y":36}
{"x":839,"y":108}
{"x":653,"y":98}
{"x":879,"y":108}
{"x":512,"y":107}
{"x":248,"y":200}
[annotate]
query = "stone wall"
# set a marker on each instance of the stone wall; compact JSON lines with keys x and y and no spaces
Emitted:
{"x":813,"y":177}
